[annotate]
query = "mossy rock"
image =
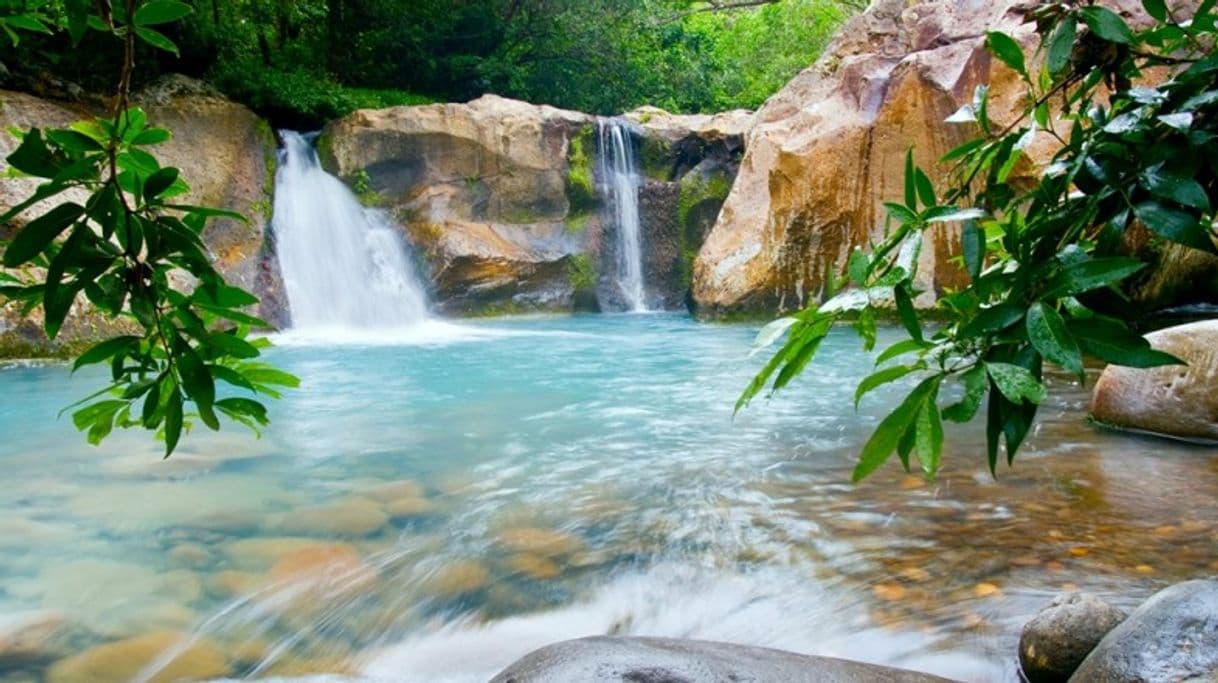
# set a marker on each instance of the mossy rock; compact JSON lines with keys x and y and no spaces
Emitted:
{"x":656,"y":158}
{"x":581,"y":171}
{"x":702,"y":195}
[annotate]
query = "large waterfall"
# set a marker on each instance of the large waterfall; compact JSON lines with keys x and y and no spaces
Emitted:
{"x":344,"y":267}
{"x":619,"y":180}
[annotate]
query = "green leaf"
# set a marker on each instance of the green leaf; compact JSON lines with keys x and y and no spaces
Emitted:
{"x":156,"y":39}
{"x":929,"y":435}
{"x":173,"y":421}
{"x":1175,"y":224}
{"x":1016,"y":383}
{"x":1156,"y":9}
{"x":233,"y":346}
{"x":899,"y":349}
{"x":234,"y":407}
{"x":900,"y":213}
{"x":1085,"y":276}
{"x":32,"y":157}
{"x":926,"y":190}
{"x":1048,"y":333}
{"x":803,"y":352}
{"x":882,"y":377}
{"x":1111,"y":341}
{"x":909,"y":316}
{"x":1180,"y":189}
{"x":158,"y":182}
{"x":888,"y":434}
{"x":152,"y":136}
{"x":161,"y":12}
{"x":40,"y":232}
{"x":235,"y":316}
{"x":972,"y":246}
{"x":1006,"y":49}
{"x":85,"y":417}
{"x":858,"y":266}
{"x":1061,"y":45}
{"x":975,"y":383}
{"x":196,"y":380}
{"x":78,"y":12}
{"x":272,"y":376}
{"x":103,"y":351}
{"x":991,"y":320}
{"x":1107,"y":24}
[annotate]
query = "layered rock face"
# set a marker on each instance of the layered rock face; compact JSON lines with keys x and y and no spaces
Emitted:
{"x":500,"y":197}
{"x":829,"y":148}
{"x":225,"y":153}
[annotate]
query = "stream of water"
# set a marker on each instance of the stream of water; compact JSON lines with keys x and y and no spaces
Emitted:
{"x":619,"y":177}
{"x":430,"y":510}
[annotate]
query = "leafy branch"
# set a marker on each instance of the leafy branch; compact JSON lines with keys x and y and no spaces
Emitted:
{"x":134,"y":253}
{"x":1044,"y":262}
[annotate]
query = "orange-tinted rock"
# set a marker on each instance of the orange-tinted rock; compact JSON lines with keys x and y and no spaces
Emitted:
{"x":351,"y":517}
{"x":534,"y":566}
{"x":543,"y":542}
{"x":123,"y":660}
{"x":1176,"y":401}
{"x":459,"y":578}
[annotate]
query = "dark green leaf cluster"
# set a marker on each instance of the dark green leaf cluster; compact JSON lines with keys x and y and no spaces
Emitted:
{"x":1039,"y":250}
{"x":130,"y":248}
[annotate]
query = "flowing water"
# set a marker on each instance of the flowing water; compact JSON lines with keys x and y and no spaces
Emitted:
{"x":619,"y":179}
{"x":430,"y":510}
{"x":344,"y":267}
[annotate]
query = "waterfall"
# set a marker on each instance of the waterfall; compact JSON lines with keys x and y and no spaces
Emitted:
{"x":344,"y":267}
{"x":619,"y":183}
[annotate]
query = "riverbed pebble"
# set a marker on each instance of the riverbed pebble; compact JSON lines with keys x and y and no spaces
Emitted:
{"x":122,"y":661}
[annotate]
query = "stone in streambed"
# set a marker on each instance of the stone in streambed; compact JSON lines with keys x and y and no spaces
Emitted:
{"x":534,"y":566}
{"x":406,"y":508}
{"x":28,"y":637}
{"x":1061,"y":636}
{"x":459,"y":578}
{"x":122,"y":661}
{"x":351,"y":517}
{"x":604,"y":659}
{"x":544,"y":542}
{"x":1172,"y":400}
{"x":1173,"y":636}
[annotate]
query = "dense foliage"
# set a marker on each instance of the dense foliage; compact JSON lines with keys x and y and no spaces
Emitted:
{"x":304,"y":61}
{"x":119,"y":236}
{"x":1131,"y":158}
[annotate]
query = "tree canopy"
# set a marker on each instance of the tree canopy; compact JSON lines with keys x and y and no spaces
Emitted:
{"x":303,"y":61}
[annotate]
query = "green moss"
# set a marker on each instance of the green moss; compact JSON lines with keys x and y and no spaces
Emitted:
{"x":655,"y":158}
{"x":695,"y":190}
{"x":577,"y":223}
{"x":325,"y":151}
{"x":361,"y":184}
{"x":270,"y":161}
{"x":582,"y":272}
{"x":581,"y":183}
{"x":14,"y":347}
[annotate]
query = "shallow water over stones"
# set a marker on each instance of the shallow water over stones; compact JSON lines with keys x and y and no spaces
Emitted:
{"x":433,"y":511}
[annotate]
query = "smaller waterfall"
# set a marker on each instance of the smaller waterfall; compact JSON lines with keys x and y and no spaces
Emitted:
{"x":619,"y":183}
{"x":344,"y":267}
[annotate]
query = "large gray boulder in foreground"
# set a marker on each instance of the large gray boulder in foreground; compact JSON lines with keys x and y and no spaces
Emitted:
{"x":605,"y":659}
{"x":1173,"y":636}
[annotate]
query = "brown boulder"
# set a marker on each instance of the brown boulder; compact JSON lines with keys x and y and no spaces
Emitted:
{"x":829,"y":148}
{"x":1175,"y":401}
{"x":225,"y":153}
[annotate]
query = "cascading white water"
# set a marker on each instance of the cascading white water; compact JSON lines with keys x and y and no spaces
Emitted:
{"x":619,"y":182}
{"x":344,"y":267}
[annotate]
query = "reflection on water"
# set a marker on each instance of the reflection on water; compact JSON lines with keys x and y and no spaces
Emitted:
{"x":430,"y":512}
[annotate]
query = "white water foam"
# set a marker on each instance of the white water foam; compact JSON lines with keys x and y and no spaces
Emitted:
{"x":620,"y":181}
{"x":344,"y":267}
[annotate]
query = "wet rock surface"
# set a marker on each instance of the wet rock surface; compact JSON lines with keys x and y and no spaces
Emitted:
{"x":1061,"y":636}
{"x":666,"y":660}
{"x":1173,"y":636}
{"x":1173,"y":400}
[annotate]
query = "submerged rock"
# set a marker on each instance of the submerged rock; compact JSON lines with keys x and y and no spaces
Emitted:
{"x":1060,"y":637}
{"x":163,"y":657}
{"x":664,"y":660}
{"x":1173,"y":636}
{"x":1173,"y":400}
{"x":350,"y":517}
{"x":542,"y":542}
{"x":28,"y":637}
